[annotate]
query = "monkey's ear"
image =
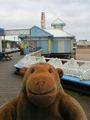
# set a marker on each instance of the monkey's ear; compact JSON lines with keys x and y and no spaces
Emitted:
{"x":60,"y":72}
{"x":23,"y":70}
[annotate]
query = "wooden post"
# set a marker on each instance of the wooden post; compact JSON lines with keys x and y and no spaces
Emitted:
{"x":0,"y":44}
{"x":4,"y":43}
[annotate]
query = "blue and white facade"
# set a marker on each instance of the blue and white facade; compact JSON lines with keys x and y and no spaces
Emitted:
{"x":51,"y":41}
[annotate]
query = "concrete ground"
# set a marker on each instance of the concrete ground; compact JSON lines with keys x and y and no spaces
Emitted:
{"x":10,"y":84}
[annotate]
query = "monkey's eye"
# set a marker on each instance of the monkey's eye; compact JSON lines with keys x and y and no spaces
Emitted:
{"x":32,"y":71}
{"x":49,"y":71}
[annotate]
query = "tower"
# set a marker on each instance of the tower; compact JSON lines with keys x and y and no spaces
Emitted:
{"x":58,"y":24}
{"x":43,"y":20}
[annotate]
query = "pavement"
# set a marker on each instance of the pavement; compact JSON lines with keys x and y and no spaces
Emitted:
{"x":10,"y":84}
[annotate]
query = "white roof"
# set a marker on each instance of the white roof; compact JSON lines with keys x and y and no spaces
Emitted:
{"x":59,"y":33}
{"x":11,"y":38}
{"x":57,"y":21}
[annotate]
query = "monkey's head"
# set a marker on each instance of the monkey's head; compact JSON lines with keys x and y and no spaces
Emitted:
{"x":42,"y":83}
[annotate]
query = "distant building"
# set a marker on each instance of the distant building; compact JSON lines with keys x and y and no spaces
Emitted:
{"x":83,"y":44}
{"x":1,"y":34}
{"x":43,"y":20}
{"x":51,"y":41}
{"x":9,"y":44}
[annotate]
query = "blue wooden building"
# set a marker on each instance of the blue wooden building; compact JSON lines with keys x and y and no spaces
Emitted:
{"x":1,"y":34}
{"x":51,"y":41}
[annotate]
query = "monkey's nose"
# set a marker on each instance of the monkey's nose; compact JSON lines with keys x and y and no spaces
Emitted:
{"x":40,"y":85}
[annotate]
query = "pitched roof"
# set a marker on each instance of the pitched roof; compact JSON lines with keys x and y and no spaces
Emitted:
{"x":58,"y":22}
{"x":59,"y":33}
{"x":38,"y":32}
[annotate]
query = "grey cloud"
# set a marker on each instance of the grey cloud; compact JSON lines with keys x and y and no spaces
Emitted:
{"x":26,"y":13}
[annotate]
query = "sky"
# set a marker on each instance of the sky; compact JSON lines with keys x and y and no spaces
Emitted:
{"x":24,"y":14}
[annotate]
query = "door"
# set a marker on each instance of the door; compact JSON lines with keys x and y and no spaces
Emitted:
{"x":26,"y":47}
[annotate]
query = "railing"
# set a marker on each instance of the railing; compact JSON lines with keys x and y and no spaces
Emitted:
{"x":37,"y":53}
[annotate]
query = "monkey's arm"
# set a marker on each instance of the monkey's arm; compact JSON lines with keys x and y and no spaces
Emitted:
{"x":8,"y":110}
{"x":71,"y":109}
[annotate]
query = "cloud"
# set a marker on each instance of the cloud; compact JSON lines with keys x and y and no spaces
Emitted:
{"x":27,"y":13}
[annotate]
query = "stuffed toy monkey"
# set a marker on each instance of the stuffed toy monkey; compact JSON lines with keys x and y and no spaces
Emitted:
{"x":42,"y":97}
